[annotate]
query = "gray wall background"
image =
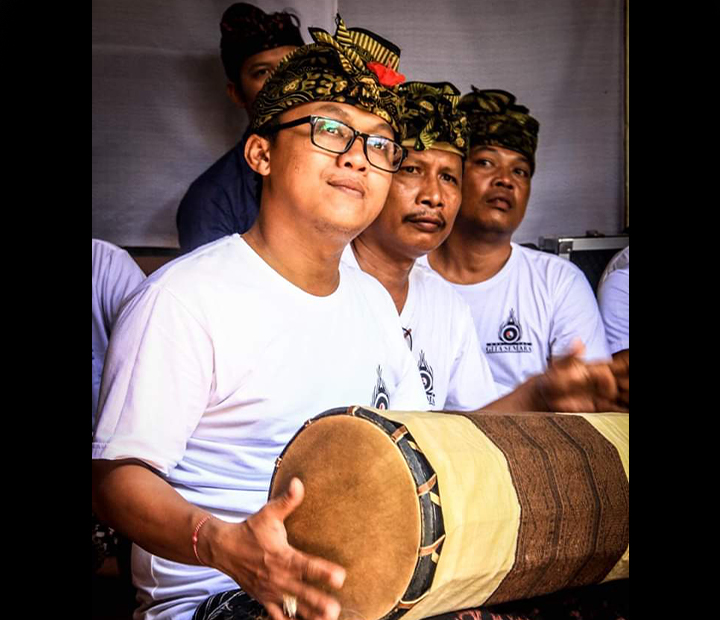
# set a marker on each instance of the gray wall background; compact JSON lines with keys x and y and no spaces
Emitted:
{"x":161,"y":117}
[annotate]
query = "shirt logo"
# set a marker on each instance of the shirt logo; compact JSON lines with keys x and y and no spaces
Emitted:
{"x":427,"y":376}
{"x":380,"y":398}
{"x":510,"y":338}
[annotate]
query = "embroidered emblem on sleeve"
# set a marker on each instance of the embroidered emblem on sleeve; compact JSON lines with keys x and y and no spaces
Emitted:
{"x":380,"y":399}
{"x":427,"y":376}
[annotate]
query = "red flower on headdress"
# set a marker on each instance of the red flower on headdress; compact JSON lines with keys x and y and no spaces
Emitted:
{"x":386,"y":76}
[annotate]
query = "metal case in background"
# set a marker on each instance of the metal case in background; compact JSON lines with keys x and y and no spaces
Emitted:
{"x":590,"y":253}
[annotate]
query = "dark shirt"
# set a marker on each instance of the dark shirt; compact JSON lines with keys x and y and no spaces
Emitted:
{"x":222,"y":201}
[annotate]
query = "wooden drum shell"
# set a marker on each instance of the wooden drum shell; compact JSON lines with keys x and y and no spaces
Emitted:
{"x":435,"y":512}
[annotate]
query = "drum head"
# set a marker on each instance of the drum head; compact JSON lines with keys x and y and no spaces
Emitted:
{"x":360,"y":510}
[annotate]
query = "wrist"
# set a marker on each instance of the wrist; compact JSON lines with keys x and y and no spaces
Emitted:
{"x":224,"y":546}
{"x":206,"y":540}
{"x":535,"y":393}
{"x":195,"y":538}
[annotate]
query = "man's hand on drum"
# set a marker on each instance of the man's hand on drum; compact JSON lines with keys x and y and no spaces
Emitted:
{"x":257,"y":555}
{"x":572,"y":385}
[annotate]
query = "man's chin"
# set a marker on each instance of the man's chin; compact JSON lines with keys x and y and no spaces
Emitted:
{"x":418,"y":250}
{"x":499,"y":226}
{"x":355,"y":220}
{"x":343,"y":232}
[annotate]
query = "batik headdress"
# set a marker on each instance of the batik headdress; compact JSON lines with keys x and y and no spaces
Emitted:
{"x":432,"y":118}
{"x":496,"y":120}
{"x":354,"y":66}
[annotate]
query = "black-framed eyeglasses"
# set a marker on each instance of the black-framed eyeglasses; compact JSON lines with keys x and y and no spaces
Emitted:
{"x":337,"y":137}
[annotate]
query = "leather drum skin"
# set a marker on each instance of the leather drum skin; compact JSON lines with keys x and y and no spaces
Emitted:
{"x":435,"y":512}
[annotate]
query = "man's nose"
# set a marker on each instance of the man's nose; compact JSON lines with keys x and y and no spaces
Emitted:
{"x":355,"y":156}
{"x":431,"y":194}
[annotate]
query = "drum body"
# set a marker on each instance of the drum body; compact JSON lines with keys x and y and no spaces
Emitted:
{"x":435,"y":512}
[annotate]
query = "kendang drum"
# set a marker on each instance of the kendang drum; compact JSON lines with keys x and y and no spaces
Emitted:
{"x":436,"y":512}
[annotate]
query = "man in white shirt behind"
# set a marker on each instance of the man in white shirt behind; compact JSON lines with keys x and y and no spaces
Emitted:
{"x":529,"y":307}
{"x":614,"y":302}
{"x":417,"y":217}
{"x":115,"y":275}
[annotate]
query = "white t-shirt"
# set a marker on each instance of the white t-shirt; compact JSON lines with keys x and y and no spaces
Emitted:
{"x":214,"y":364}
{"x":530,"y":312}
{"x":440,"y":332}
{"x":614,"y":300}
{"x":115,"y":274}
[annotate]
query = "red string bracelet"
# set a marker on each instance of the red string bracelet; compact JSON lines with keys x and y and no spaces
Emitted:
{"x":195,"y":538}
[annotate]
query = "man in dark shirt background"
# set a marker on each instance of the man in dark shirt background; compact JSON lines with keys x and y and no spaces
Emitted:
{"x":225,"y":198}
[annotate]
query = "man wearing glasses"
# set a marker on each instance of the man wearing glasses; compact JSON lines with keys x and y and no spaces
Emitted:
{"x":223,"y":354}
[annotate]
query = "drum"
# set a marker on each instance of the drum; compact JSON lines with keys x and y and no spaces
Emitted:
{"x":435,"y":512}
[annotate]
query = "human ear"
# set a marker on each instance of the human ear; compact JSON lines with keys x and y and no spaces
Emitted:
{"x":257,"y":154}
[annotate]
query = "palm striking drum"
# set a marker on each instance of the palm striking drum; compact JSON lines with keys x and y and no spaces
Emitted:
{"x":435,"y":512}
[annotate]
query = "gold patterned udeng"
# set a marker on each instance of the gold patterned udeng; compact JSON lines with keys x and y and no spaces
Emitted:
{"x":333,"y":69}
{"x":497,"y":120}
{"x":432,"y":119}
